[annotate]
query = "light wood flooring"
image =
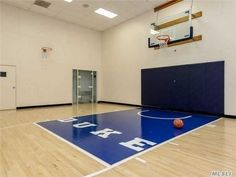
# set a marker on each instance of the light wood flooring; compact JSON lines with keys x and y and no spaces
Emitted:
{"x":28,"y":151}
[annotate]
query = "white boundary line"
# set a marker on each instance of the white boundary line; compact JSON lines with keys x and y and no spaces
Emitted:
{"x":140,"y":160}
{"x":175,"y":144}
{"x":83,"y":115}
{"x":71,"y":144}
{"x":74,"y":146}
{"x":76,"y":117}
{"x":211,"y":126}
{"x":149,"y":149}
{"x":124,"y":160}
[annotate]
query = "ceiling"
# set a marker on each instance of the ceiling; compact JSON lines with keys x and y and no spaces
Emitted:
{"x":74,"y":12}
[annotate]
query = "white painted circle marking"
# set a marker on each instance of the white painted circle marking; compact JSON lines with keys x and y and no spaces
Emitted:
{"x":162,"y":118}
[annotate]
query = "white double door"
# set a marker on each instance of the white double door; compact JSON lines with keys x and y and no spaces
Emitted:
{"x":7,"y":87}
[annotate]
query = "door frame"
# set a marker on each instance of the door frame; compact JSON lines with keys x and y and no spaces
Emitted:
{"x":15,"y":83}
{"x":77,"y":83}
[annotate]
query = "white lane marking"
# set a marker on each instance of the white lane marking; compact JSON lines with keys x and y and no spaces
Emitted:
{"x":83,"y":115}
{"x":98,"y":172}
{"x":140,"y":160}
{"x":211,"y":125}
{"x":162,"y":118}
{"x":74,"y":146}
{"x":174,"y":143}
{"x":145,"y":151}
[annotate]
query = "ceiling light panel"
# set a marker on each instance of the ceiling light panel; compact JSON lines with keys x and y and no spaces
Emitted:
{"x":105,"y":13}
{"x":68,"y":0}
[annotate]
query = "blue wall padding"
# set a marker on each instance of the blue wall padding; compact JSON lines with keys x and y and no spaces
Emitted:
{"x":194,"y":87}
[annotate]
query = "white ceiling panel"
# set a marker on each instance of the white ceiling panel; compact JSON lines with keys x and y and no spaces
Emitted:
{"x":21,"y":4}
{"x":74,"y":12}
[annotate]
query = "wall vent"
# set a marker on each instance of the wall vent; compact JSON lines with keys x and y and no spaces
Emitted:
{"x":42,"y":3}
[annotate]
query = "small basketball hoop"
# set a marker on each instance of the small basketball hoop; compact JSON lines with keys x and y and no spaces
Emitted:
{"x":163,"y":40}
{"x":45,"y":51}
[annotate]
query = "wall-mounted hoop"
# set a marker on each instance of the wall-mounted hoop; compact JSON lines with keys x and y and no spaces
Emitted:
{"x":46,"y":51}
{"x":163,"y":40}
{"x":178,"y":26}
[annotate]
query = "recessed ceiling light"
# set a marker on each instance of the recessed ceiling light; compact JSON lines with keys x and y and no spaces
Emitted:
{"x":68,"y":0}
{"x":105,"y":13}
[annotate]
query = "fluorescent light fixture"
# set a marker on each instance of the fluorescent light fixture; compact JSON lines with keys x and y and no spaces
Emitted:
{"x":68,"y":0}
{"x":105,"y":13}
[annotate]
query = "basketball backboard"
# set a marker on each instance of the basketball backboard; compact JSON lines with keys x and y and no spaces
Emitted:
{"x":178,"y":27}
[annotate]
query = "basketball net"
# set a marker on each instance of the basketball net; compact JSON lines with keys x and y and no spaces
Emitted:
{"x":163,"y":41}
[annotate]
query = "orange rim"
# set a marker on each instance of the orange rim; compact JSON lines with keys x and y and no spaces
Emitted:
{"x":165,"y":38}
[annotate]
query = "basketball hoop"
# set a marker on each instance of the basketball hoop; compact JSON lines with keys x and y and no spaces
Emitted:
{"x":45,"y":51}
{"x":163,"y":40}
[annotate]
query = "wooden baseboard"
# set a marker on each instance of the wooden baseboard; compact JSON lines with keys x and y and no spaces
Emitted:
{"x":125,"y":104}
{"x":41,"y":106}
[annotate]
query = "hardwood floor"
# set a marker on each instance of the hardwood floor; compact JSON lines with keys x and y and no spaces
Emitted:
{"x":28,"y":116}
{"x":194,"y":155}
{"x":28,"y":151}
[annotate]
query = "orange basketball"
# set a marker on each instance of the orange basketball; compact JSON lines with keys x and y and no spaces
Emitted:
{"x":178,"y":123}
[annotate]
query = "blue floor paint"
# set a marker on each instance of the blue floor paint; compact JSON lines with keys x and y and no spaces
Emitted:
{"x":130,"y":124}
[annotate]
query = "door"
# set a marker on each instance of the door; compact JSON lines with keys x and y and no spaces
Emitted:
{"x":84,"y":86}
{"x":7,"y":87}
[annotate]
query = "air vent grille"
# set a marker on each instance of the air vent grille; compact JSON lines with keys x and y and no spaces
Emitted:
{"x":42,"y":3}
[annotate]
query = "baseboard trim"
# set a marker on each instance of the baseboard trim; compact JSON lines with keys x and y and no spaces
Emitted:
{"x":229,"y":116}
{"x":41,"y":106}
{"x":125,"y":104}
{"x":170,"y":109}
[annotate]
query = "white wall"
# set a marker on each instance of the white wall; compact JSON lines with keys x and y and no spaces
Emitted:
{"x":46,"y":81}
{"x":125,"y":51}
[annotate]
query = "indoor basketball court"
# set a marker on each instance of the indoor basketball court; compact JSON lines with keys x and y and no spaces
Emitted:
{"x":117,"y":88}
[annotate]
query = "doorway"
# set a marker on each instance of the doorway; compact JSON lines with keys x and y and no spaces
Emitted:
{"x":7,"y":87}
{"x":84,"y":86}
